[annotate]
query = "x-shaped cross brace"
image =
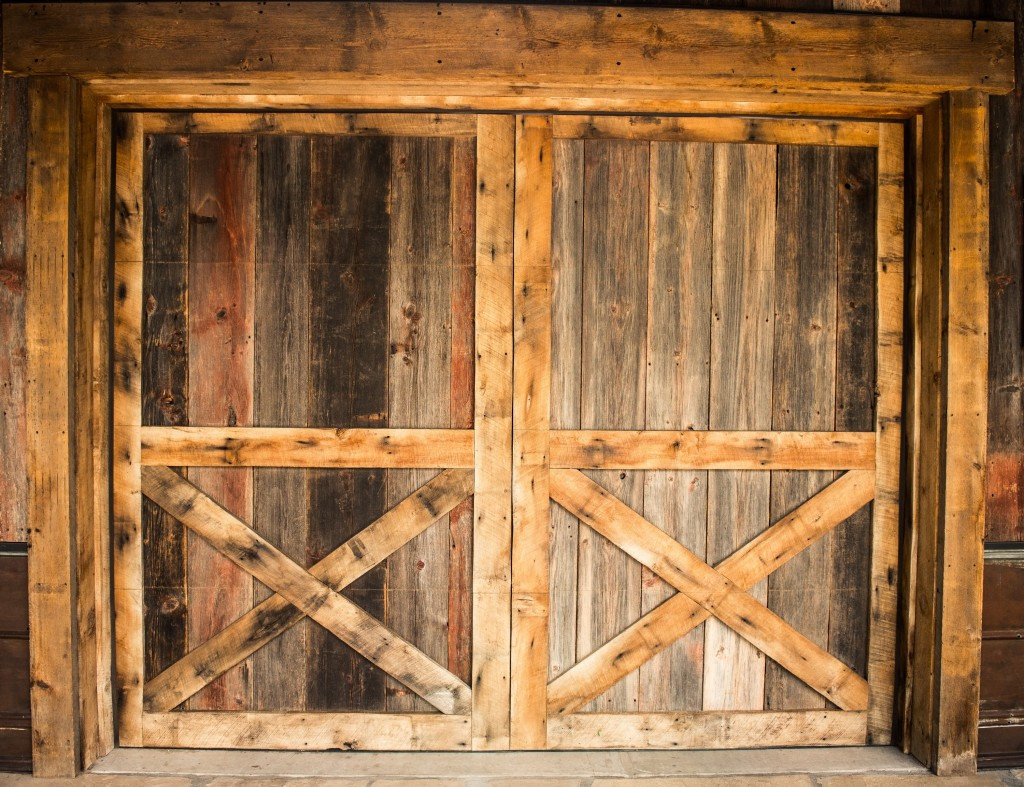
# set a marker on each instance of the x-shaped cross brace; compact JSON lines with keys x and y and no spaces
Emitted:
{"x":707,"y":591}
{"x":301,"y":593}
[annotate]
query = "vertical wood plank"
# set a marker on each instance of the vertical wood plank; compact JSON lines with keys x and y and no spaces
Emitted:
{"x":492,"y":529}
{"x":615,"y":243}
{"x":531,"y":418}
{"x":419,"y":382}
{"x":742,"y":326}
{"x":803,"y":389}
{"x":49,"y":249}
{"x":678,"y":359}
{"x":966,"y":391}
{"x":13,"y":473}
{"x":281,"y":368}
{"x":164,"y":384}
{"x":888,"y":427}
{"x":460,"y":521}
{"x":855,"y":401}
{"x":221,"y":272}
{"x":566,"y":366}
{"x":348,"y":353}
{"x":127,"y":416}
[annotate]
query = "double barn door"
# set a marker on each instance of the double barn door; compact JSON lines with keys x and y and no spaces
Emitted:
{"x":490,"y":432}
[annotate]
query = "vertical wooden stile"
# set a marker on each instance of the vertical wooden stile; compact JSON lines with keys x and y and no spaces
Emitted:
{"x":492,"y":418}
{"x":281,"y":358}
{"x":888,"y":428}
{"x":803,"y":389}
{"x":531,"y":417}
{"x":679,"y":344}
{"x":741,"y":373}
{"x":127,"y":396}
{"x":222,"y":215}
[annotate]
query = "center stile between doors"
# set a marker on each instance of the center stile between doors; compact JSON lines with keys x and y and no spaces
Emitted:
{"x":488,"y":432}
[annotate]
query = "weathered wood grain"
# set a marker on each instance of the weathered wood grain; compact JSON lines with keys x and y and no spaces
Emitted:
{"x":49,"y":251}
{"x":281,"y":376}
{"x":416,"y":44}
{"x":164,"y":384}
{"x":232,"y":538}
{"x":347,"y":386}
{"x":353,"y":559}
{"x":742,"y":326}
{"x":221,"y":273}
{"x":803,"y":387}
{"x":13,"y":472}
{"x":678,"y":359}
{"x":419,"y":379}
{"x":126,"y":497}
{"x":615,"y":255}
{"x":492,"y":417}
{"x":566,"y":346}
{"x":375,"y":124}
{"x":711,"y":450}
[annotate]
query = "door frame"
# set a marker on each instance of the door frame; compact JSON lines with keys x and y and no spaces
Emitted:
{"x":631,"y":61}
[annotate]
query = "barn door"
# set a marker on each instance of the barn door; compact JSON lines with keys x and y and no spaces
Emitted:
{"x":310,"y":363}
{"x":706,"y":403}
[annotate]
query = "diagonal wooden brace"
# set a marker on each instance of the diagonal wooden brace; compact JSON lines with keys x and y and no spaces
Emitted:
{"x":708,"y":589}
{"x":307,"y":593}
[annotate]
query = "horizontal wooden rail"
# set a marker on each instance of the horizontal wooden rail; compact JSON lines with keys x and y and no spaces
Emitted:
{"x":775,"y":131}
{"x":388,"y":124}
{"x":215,"y":446}
{"x":620,"y":450}
{"x":309,"y":731}
{"x":707,"y":730}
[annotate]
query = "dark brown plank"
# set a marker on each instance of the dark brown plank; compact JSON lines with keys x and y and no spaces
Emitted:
{"x":14,"y":592}
{"x":419,"y":375}
{"x":616,"y":180}
{"x":14,"y":680}
{"x":349,"y":233}
{"x":222,"y":214}
{"x":164,"y":384}
{"x":855,"y":400}
{"x":13,"y":474}
{"x":280,"y":386}
{"x":460,"y":575}
{"x":803,"y":390}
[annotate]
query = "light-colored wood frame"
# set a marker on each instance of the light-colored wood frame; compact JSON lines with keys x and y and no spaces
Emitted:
{"x":933,"y":73}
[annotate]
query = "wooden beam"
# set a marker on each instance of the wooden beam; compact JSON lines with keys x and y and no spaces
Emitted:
{"x":709,"y":588}
{"x":693,"y":48}
{"x":715,"y":450}
{"x":708,"y":730}
{"x":50,"y":424}
{"x":307,"y":731}
{"x":384,"y":124}
{"x":674,"y":618}
{"x":199,"y":446}
{"x":240,"y":544}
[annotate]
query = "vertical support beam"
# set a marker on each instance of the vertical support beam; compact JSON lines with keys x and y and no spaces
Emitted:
{"x":127,"y":395}
{"x":888,"y":427}
{"x":531,"y":416}
{"x":492,"y":528}
{"x":49,"y":242}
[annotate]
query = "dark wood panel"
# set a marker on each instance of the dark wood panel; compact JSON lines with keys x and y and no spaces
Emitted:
{"x":14,"y":592}
{"x":1003,"y":606}
{"x":15,"y":747}
{"x":1001,"y":737}
{"x":14,"y":680}
{"x":348,"y":352}
{"x":13,"y":474}
{"x":1002,"y":692}
{"x":803,"y":388}
{"x":164,"y":383}
{"x":1001,"y":747}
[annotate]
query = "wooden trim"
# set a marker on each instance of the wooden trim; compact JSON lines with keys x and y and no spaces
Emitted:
{"x":307,"y":731}
{"x":389,"y":124}
{"x":703,"y":49}
{"x":708,"y":730}
{"x":50,"y":424}
{"x":889,"y":424}
{"x":202,"y":446}
{"x":492,"y":415}
{"x":531,"y":410}
{"x":715,"y":450}
{"x":773,"y":131}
